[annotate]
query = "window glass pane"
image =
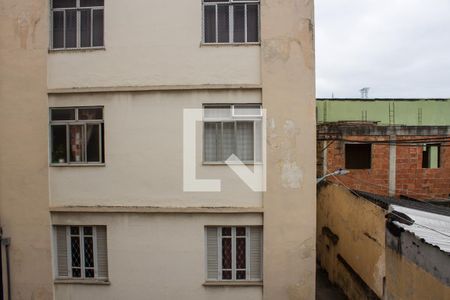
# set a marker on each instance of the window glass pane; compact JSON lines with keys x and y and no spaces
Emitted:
{"x":228,"y":140}
{"x":226,"y":253}
{"x":84,"y":3}
{"x":217,"y":112}
{"x":88,"y":253}
{"x":210,"y":24}
{"x":252,"y":23}
{"x":90,"y":113}
{"x":240,"y":275}
{"x":59,"y":144}
{"x":240,"y":253}
{"x":244,"y":140}
{"x":240,"y":231}
{"x":85,"y":32}
{"x":97,"y":32}
{"x":258,"y":141}
{"x":58,"y":29}
{"x":211,"y":141}
{"x":76,"y":256}
{"x":74,"y":230}
{"x":223,"y":25}
{"x":239,"y":23}
{"x":59,"y":114}
{"x":71,"y":28}
{"x":247,"y":110}
{"x":87,"y":230}
{"x":76,"y":143}
{"x":226,"y":231}
{"x":226,"y":275}
{"x":93,"y":142}
{"x":64,"y":3}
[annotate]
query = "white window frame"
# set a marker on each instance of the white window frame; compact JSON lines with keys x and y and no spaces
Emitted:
{"x":82,"y":258}
{"x":231,"y":3}
{"x":233,"y":254}
{"x":83,"y":123}
{"x":233,"y":118}
{"x":78,"y":9}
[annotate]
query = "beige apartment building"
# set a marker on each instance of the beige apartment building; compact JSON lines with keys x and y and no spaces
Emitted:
{"x":94,"y":199}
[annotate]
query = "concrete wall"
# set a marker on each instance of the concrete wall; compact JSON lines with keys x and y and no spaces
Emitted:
{"x":24,"y":213}
{"x":415,"y":269}
{"x":144,"y":154}
{"x":288,"y":72}
{"x":351,"y":241}
{"x":156,"y":256}
{"x":154,"y":43}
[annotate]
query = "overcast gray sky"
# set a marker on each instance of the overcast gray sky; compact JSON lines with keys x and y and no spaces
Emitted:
{"x":398,"y":48}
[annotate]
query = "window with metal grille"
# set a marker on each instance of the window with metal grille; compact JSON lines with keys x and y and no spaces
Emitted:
{"x":76,"y":135}
{"x":431,"y":156}
{"x":81,"y":252}
{"x":232,"y":129}
{"x":77,"y":24}
{"x":230,"y":21}
{"x":234,"y":253}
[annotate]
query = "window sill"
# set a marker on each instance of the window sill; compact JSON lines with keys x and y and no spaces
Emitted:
{"x":229,"y":44}
{"x":87,"y":49}
{"x":77,"y":165}
{"x":82,"y":281}
{"x":233,"y":283}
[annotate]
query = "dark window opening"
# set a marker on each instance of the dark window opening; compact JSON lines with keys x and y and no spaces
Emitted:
{"x":431,"y":156}
{"x":358,"y":156}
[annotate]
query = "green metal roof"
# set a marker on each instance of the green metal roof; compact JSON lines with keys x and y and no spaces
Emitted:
{"x":433,"y":112}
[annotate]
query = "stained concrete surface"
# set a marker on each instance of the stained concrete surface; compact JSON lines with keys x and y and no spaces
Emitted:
{"x":325,"y":290}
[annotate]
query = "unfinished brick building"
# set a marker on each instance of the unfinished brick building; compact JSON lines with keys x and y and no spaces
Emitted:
{"x":400,"y":161}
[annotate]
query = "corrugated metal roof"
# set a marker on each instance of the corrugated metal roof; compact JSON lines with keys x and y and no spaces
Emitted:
{"x":432,"y":227}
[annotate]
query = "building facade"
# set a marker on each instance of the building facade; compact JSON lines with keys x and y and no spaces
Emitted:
{"x":401,"y":161}
{"x":110,"y":93}
{"x":385,"y":111}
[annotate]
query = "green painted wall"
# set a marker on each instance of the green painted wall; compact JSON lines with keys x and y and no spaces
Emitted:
{"x":386,"y":111}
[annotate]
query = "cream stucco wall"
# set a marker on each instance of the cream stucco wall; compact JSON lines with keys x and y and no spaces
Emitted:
{"x":144,"y":154}
{"x":405,"y":280}
{"x":359,"y":226}
{"x":288,"y":90}
{"x":156,"y":256}
{"x":154,"y":42}
{"x":24,"y":215}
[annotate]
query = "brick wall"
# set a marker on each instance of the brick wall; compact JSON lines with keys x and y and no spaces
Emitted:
{"x":417,"y":182}
{"x":411,"y":179}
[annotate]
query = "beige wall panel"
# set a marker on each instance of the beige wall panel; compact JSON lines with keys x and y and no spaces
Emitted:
{"x":144,"y":144}
{"x":287,"y":72}
{"x":154,"y":256}
{"x":24,"y":213}
{"x":360,"y":227}
{"x":154,"y":43}
{"x":405,"y":280}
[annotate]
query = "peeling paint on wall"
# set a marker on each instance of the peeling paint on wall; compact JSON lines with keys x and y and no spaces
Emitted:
{"x":291,"y":175}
